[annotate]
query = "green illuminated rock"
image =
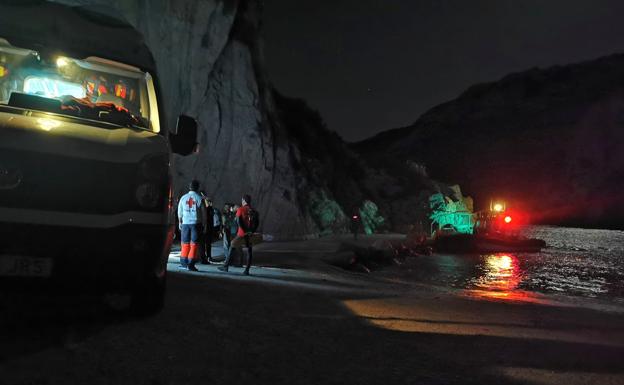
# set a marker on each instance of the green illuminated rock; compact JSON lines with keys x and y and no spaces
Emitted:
{"x":326,"y":213}
{"x":371,"y":219}
{"x":453,"y":213}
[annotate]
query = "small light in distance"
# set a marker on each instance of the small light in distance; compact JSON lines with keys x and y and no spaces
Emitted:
{"x":507,"y":219}
{"x":498,"y":207}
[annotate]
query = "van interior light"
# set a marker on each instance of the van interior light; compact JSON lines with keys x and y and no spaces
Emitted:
{"x":498,"y":207}
{"x":61,"y":61}
{"x":52,"y":87}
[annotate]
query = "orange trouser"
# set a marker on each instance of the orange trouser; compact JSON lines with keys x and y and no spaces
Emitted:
{"x":189,"y":250}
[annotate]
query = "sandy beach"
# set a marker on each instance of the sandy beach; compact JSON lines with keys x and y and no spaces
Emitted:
{"x":300,"y":320}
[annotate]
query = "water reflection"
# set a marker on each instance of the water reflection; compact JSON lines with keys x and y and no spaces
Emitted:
{"x":499,"y":273}
{"x":577,"y":262}
{"x":499,"y":278}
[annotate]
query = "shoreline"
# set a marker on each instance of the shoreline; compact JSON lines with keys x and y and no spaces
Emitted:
{"x":310,"y":257}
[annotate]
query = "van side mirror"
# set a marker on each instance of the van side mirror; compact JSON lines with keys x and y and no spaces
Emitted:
{"x":184,"y":142}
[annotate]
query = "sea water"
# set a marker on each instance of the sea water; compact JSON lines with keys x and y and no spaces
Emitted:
{"x":578,"y":262}
{"x":581,"y":263}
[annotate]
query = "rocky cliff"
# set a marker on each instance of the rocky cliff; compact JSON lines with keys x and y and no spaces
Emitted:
{"x":305,"y":180}
{"x":210,"y":65}
{"x":549,"y":140}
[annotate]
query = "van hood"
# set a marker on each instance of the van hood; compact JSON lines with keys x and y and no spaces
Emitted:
{"x":72,"y":138}
{"x":64,"y":165}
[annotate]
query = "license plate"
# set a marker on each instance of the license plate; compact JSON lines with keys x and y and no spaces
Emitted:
{"x":23,"y":266}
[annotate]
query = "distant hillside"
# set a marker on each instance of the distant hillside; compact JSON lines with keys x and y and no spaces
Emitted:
{"x":549,"y":140}
{"x":333,"y":181}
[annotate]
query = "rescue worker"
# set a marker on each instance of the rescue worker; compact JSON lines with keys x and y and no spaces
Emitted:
{"x":247,"y":219}
{"x":192,"y":216}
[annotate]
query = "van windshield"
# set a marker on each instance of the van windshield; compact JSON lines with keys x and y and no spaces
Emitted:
{"x":91,"y":88}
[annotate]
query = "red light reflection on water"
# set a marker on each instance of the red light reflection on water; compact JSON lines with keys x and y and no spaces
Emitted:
{"x":500,"y":279}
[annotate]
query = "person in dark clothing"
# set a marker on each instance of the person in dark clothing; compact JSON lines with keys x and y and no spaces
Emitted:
{"x":247,"y":220}
{"x":236,"y":254}
{"x":216,"y":223}
{"x":206,"y":252}
{"x":355,"y":223}
{"x":228,"y":221}
{"x":213,"y":229}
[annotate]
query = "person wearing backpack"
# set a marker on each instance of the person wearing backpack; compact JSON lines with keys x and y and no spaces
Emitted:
{"x":248,"y":220}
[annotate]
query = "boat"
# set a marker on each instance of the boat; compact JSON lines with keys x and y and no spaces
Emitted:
{"x":455,"y":228}
{"x":470,"y":243}
{"x":487,"y":244}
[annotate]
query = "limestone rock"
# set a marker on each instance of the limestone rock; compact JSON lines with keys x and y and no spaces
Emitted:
{"x":209,"y":60}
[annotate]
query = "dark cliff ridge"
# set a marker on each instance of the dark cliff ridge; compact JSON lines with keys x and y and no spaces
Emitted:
{"x":334,"y":181}
{"x":550,"y":140}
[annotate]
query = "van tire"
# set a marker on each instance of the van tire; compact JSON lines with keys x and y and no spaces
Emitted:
{"x":148,"y":298}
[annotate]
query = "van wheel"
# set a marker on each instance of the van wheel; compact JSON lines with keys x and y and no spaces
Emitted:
{"x":148,"y":298}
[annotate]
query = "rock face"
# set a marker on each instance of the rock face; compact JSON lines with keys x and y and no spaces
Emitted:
{"x":334,"y":183}
{"x":550,"y":141}
{"x":304,"y":179}
{"x":209,"y":60}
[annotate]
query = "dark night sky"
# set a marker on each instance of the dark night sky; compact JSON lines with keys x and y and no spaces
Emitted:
{"x":372,"y":65}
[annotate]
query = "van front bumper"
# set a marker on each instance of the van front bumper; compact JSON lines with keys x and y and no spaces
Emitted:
{"x":85,"y":258}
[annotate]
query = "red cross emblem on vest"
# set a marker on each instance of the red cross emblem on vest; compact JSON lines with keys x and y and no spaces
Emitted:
{"x":190,"y":203}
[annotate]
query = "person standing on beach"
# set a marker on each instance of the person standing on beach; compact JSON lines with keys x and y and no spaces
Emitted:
{"x":228,"y":220}
{"x":192,"y":224}
{"x":234,"y":252}
{"x":248,"y":220}
{"x":213,"y":226}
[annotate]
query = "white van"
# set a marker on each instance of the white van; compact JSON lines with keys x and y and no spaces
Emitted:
{"x":85,"y":155}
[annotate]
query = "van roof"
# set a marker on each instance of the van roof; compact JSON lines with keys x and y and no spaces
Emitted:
{"x":74,"y":31}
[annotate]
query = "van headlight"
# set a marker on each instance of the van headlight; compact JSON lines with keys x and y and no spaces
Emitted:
{"x":154,"y":167}
{"x":148,"y":195}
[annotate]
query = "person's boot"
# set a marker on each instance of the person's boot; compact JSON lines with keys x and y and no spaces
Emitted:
{"x":249,"y":257}
{"x":192,"y":256}
{"x":204,"y":260}
{"x":184,"y":252}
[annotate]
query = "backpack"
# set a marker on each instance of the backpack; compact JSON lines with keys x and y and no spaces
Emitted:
{"x":252,"y":220}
